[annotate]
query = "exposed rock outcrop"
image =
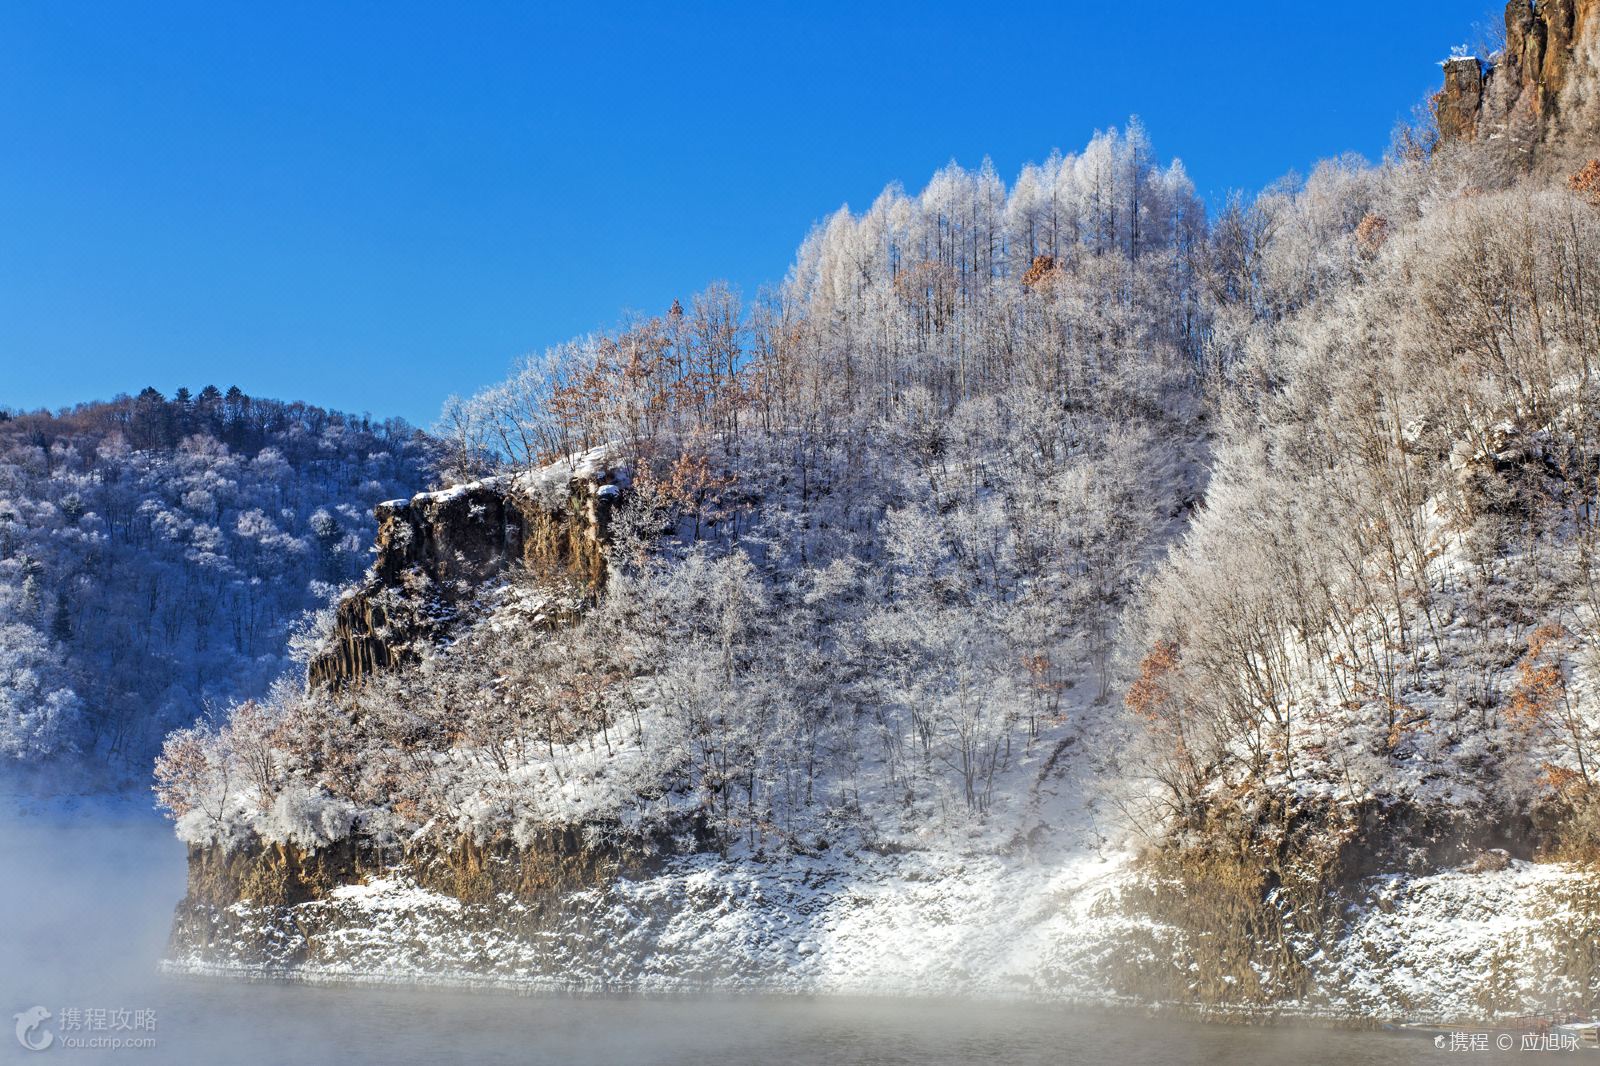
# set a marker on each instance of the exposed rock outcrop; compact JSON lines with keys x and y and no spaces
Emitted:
{"x":435,"y":550}
{"x":1537,"y":102}
{"x":1460,"y":102}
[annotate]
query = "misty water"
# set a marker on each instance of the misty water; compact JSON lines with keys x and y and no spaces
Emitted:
{"x":87,"y":900}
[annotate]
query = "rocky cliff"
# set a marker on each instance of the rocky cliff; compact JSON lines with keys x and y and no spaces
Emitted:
{"x":1537,"y":101}
{"x":437,"y":549}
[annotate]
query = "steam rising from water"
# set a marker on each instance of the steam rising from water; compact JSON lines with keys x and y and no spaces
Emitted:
{"x":88,"y":899}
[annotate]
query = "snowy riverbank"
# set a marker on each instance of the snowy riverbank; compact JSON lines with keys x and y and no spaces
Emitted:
{"x":1453,"y":946}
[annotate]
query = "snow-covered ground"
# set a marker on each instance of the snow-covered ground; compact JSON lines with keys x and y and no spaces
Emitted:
{"x":1465,"y":944}
{"x":1448,"y":947}
{"x":1039,"y":917}
{"x":890,"y":925}
{"x":949,"y":916}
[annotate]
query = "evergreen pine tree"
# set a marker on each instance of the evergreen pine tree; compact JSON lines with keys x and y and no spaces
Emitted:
{"x":31,"y":597}
{"x":61,"y":622}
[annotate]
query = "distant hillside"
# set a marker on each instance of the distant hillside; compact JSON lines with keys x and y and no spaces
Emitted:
{"x":155,"y":553}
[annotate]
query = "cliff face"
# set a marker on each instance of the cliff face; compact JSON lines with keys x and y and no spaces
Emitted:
{"x":1463,"y":946}
{"x":1459,"y":104}
{"x":1540,"y":98}
{"x":435,"y":550}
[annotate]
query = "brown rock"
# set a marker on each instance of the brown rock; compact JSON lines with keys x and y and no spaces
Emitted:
{"x":1537,"y":99}
{"x":436,"y":549}
{"x":1457,"y":105}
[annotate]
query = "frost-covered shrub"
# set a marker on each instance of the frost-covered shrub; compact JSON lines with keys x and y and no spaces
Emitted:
{"x":308,"y":817}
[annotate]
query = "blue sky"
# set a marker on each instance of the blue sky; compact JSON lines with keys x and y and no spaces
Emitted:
{"x":370,"y":206}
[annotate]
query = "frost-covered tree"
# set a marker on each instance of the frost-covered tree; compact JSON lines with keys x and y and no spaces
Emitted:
{"x":39,"y":712}
{"x":881,"y":532}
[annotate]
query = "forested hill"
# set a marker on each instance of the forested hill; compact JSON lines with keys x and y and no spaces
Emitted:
{"x":1050,"y":588}
{"x":156,"y":553}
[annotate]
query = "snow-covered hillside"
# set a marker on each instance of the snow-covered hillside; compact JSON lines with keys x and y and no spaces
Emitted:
{"x":155,"y":556}
{"x":1051,"y":591}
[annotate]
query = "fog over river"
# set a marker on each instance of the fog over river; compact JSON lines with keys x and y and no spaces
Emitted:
{"x":88,"y":897}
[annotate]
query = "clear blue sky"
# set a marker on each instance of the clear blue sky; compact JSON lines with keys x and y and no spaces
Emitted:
{"x":372,"y":207}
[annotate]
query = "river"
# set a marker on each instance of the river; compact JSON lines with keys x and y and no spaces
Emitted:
{"x":87,"y":899}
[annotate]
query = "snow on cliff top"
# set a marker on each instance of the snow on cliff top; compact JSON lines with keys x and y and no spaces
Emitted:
{"x":548,"y":483}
